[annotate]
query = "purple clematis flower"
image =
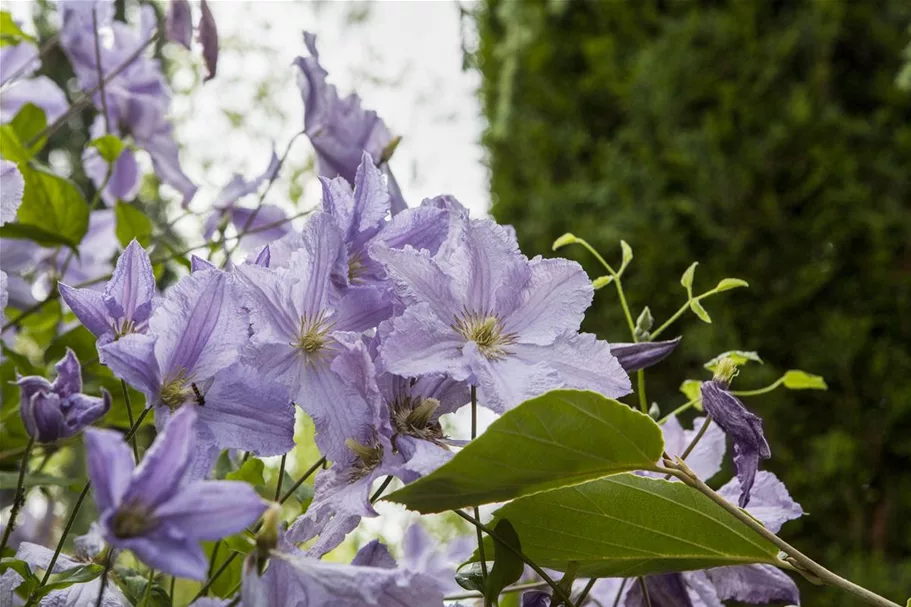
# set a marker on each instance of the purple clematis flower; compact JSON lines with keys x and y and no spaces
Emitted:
{"x":52,"y":411}
{"x":188,"y":359}
{"x":482,"y":312}
{"x":125,"y":305}
{"x":17,"y":63}
{"x":372,"y":578}
{"x":153,"y":510}
{"x":638,"y":356}
{"x":769,"y":503}
{"x":300,"y":320}
{"x":743,"y":426}
{"x":340,"y":129}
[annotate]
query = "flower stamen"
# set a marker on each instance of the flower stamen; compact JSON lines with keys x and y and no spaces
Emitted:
{"x":486,"y":331}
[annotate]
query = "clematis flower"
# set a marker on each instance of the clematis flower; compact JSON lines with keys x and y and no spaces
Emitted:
{"x":52,"y":411}
{"x":88,"y":547}
{"x":153,"y":511}
{"x":481,"y":312}
{"x":137,"y":98}
{"x":743,"y":426}
{"x":300,"y":319}
{"x":17,"y":64}
{"x":12,"y":187}
{"x":769,"y":503}
{"x":126,"y":303}
{"x":635,"y":357}
{"x":372,"y":578}
{"x":389,"y":426}
{"x":188,"y":359}
{"x":340,"y":129}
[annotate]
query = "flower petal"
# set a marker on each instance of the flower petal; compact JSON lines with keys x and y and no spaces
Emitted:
{"x":211,"y":510}
{"x":635,"y":357}
{"x":130,"y":292}
{"x":418,"y":279}
{"x":754,"y":584}
{"x":503,"y":384}
{"x":420,"y":344}
{"x":132,"y":359}
{"x":110,"y":464}
{"x":162,"y":468}
{"x":180,"y":23}
{"x":69,"y":375}
{"x":171,"y":552}
{"x":12,"y":187}
{"x":770,"y":501}
{"x":88,"y":306}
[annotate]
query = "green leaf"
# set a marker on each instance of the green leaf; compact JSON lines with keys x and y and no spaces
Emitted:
{"x":22,"y":364}
{"x":738,"y":357}
{"x":23,"y":231}
{"x":726,"y":284}
{"x":10,"y":33}
{"x":55,"y":205}
{"x":28,"y":123}
{"x":801,"y":380}
{"x":132,"y":223}
{"x":109,"y":147}
{"x":691,"y":388}
{"x":627,"y":255}
{"x":507,"y":566}
{"x":687,"y":279}
{"x":10,"y":147}
{"x":134,"y":584}
{"x":564,"y":240}
{"x":602,"y":281}
{"x":9,"y":480}
{"x":250,"y":472}
{"x":699,"y":311}
{"x":20,"y":567}
{"x":240,"y":543}
{"x":627,"y":525}
{"x":77,"y":575}
{"x":561,"y":438}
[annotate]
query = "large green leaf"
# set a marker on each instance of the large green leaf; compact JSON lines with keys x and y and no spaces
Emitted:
{"x":561,"y":438}
{"x":54,"y":204}
{"x":132,"y":223}
{"x":627,"y":525}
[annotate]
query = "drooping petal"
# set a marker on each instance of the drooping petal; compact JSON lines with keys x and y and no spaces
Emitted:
{"x":162,"y":468}
{"x":635,"y":357}
{"x":12,"y":186}
{"x":69,"y":375}
{"x":244,"y":411}
{"x":199,"y":326}
{"x":744,"y":427}
{"x":666,"y":590}
{"x":581,"y":361}
{"x":131,"y":290}
{"x":88,"y":306}
{"x":754,"y":584}
{"x":110,"y":464}
{"x":208,"y":37}
{"x":124,"y":180}
{"x":503,"y":384}
{"x":83,"y":411}
{"x":261,"y":225}
{"x":553,"y":301}
{"x":211,"y":510}
{"x":706,"y":457}
{"x":166,"y":162}
{"x":170,"y":551}
{"x":770,"y":502}
{"x":180,"y":23}
{"x":43,"y":417}
{"x":132,"y":359}
{"x":374,"y":554}
{"x":420,"y":344}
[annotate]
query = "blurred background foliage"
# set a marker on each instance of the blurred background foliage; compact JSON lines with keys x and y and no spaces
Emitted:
{"x":768,"y":140}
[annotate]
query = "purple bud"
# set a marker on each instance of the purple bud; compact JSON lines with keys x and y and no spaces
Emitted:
{"x":635,"y":357}
{"x":666,"y":590}
{"x":744,"y":427}
{"x":52,"y":411}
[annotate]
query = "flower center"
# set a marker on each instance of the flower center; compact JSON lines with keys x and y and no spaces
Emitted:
{"x":415,"y":418}
{"x":132,"y":520}
{"x":487,"y":332}
{"x":177,"y":390}
{"x":313,"y":336}
{"x":124,"y":328}
{"x":356,"y":268}
{"x":368,"y":457}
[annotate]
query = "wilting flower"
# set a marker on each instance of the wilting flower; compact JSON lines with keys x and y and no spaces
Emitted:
{"x":389,"y":426}
{"x":480,"y":311}
{"x":17,"y":63}
{"x":372,"y":578}
{"x":126,"y":303}
{"x":188,"y":359}
{"x":638,"y":356}
{"x":87,"y":549}
{"x":299,"y":319}
{"x":137,"y":98}
{"x":340,"y":129}
{"x":770,"y":504}
{"x":743,"y":426}
{"x":52,"y":411}
{"x":152,"y":509}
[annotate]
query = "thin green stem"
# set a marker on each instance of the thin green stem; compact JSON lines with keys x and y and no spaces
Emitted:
{"x":684,"y":407}
{"x":558,"y":590}
{"x":477,"y":512}
{"x":759,"y":391}
{"x":148,"y":591}
{"x":126,"y":398}
{"x":580,"y":600}
{"x":281,"y":476}
{"x":617,"y":282}
{"x":100,"y":70}
{"x":171,"y":589}
{"x":680,"y":312}
{"x":214,"y":558}
{"x":643,"y":399}
{"x":302,"y":479}
{"x":679,"y":469}
{"x":19,"y":496}
{"x":108,"y":561}
{"x":464,"y":596}
{"x":648,"y":599}
{"x":382,"y":488}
